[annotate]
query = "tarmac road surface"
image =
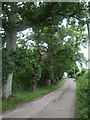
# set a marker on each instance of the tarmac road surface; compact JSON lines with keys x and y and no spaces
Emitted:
{"x":60,"y":103}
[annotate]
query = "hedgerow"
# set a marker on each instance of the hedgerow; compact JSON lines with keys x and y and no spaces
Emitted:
{"x":82,"y":95}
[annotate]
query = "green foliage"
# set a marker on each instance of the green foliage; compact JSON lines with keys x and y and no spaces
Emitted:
{"x":80,"y":73}
{"x":34,"y":64}
{"x":27,"y":68}
{"x":82,"y":95}
{"x":33,"y":14}
{"x":75,"y":70}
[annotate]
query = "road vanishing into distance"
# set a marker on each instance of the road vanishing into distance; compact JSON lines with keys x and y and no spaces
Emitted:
{"x":60,"y":103}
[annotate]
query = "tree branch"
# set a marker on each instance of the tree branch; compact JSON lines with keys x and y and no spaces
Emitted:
{"x":23,"y":27}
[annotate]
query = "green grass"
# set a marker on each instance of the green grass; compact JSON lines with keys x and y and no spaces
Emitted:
{"x":22,"y":96}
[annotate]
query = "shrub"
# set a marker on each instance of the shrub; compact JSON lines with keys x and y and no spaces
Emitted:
{"x":82,"y":95}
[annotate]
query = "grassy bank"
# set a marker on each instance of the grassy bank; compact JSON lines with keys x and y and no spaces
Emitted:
{"x":82,"y":96}
{"x":22,"y":96}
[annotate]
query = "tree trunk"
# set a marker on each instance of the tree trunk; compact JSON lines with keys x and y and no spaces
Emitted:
{"x":57,"y":79}
{"x":34,"y":86}
{"x":50,"y":63}
{"x":11,"y":34}
{"x":48,"y":82}
{"x":53,"y":81}
{"x":11,"y":41}
{"x":11,"y":47}
{"x":7,"y":91}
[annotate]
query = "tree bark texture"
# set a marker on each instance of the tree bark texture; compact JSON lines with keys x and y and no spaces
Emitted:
{"x":11,"y":34}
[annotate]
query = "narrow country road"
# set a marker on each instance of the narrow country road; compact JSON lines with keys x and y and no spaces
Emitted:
{"x":58,"y":104}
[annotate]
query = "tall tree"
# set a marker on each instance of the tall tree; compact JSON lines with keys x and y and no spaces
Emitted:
{"x":20,"y":16}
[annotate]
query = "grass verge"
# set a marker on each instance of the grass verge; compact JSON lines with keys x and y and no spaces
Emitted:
{"x":23,"y":96}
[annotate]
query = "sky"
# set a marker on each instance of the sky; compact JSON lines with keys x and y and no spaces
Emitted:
{"x":85,"y":51}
